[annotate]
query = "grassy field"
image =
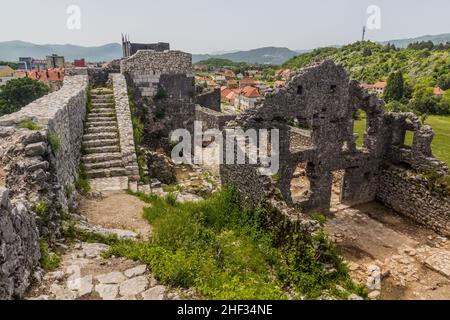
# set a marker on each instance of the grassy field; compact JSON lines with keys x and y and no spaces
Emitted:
{"x":441,"y":142}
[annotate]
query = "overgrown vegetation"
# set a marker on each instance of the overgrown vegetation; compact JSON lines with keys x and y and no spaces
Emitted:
{"x":227,"y":251}
{"x":82,"y":184}
{"x":49,"y":260}
{"x":55,"y":142}
{"x":30,"y":125}
{"x":17,"y":93}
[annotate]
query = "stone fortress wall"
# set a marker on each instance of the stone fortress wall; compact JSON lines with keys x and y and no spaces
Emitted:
{"x":37,"y":165}
{"x":125,"y":126}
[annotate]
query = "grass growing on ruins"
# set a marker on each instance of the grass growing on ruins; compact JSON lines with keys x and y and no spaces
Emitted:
{"x":49,"y":260}
{"x":226,"y":251}
{"x":441,"y":127}
{"x":55,"y":142}
{"x":82,"y":184}
{"x":30,"y":125}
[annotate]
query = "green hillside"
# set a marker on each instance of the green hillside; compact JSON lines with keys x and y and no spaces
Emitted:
{"x":371,"y":62}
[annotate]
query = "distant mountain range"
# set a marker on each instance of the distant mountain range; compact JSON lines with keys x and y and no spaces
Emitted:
{"x":12,"y":50}
{"x":267,"y":55}
{"x":403,"y":43}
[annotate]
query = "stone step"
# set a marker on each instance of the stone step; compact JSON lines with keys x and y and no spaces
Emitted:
{"x":100,"y":118}
{"x":98,"y":94}
{"x":103,"y":149}
{"x":101,"y":157}
{"x":90,"y":124}
{"x":100,"y":136}
{"x":103,"y":165}
{"x":106,"y":173}
{"x":96,"y":105}
{"x":101,"y":143}
{"x":102,"y":99}
{"x":100,"y":129}
{"x":103,"y":111}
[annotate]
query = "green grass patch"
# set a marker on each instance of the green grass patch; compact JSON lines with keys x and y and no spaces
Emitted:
{"x":82,"y":184}
{"x":227,"y":251}
{"x":49,"y":260}
{"x":55,"y":142}
{"x":30,"y":125}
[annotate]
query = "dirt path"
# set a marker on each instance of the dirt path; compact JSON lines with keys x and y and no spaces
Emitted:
{"x":414,"y":263}
{"x":117,"y":211}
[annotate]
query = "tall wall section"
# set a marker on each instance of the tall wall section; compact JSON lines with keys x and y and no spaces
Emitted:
{"x":164,"y":91}
{"x":36,"y":166}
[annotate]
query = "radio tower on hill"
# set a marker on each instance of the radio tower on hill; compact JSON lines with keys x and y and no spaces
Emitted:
{"x":364,"y":34}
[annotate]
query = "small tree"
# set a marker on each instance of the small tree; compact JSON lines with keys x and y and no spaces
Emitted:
{"x":17,"y":93}
{"x":395,"y":89}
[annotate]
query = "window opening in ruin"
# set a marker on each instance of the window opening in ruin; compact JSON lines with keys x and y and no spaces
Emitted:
{"x":300,"y":90}
{"x":409,"y":139}
{"x":336,"y":190}
{"x":300,"y":184}
{"x":360,"y":127}
{"x":333,"y":88}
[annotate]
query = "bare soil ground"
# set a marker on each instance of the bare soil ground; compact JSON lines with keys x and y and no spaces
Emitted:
{"x":406,"y":253}
{"x":117,"y":211}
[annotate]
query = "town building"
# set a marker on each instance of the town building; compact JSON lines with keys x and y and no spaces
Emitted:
{"x":79,"y":63}
{"x":375,"y":88}
{"x":6,"y":74}
{"x":52,"y":77}
{"x":247,"y":98}
{"x":55,"y":61}
{"x":130,"y":48}
{"x":438,"y":91}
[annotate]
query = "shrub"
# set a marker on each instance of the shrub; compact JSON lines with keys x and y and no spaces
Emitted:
{"x":55,"y":142}
{"x":49,"y":260}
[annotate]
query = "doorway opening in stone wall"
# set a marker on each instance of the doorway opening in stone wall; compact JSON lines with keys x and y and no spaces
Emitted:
{"x":336,"y":190}
{"x":300,"y":184}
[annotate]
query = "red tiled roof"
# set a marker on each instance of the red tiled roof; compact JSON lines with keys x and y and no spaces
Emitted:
{"x":47,"y":75}
{"x":225,"y":93}
{"x":438,"y":91}
{"x":251,"y":92}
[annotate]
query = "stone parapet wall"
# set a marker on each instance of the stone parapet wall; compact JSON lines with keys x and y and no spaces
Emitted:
{"x":408,"y":193}
{"x":125,"y":125}
{"x":38,"y":166}
{"x":146,"y":68}
{"x":210,"y":100}
{"x":19,"y":243}
{"x":212,"y":119}
{"x":167,"y":62}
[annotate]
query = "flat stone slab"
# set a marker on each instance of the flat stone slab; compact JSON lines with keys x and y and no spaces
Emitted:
{"x":111,"y":278}
{"x":107,"y":291}
{"x":137,"y":271}
{"x":93,"y":250}
{"x":133,"y":286}
{"x":156,"y":293}
{"x":439,"y":262}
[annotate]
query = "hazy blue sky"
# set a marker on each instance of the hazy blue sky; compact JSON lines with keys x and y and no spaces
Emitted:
{"x":201,"y":26}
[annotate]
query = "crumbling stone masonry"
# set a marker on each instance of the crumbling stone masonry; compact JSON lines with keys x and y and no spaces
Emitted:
{"x":38,"y":165}
{"x":315,"y":116}
{"x":164,"y":91}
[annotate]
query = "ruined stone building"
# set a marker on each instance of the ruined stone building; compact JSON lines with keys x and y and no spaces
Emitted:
{"x":321,"y":100}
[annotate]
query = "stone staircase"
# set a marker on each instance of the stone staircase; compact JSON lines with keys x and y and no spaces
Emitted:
{"x":102,"y":157}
